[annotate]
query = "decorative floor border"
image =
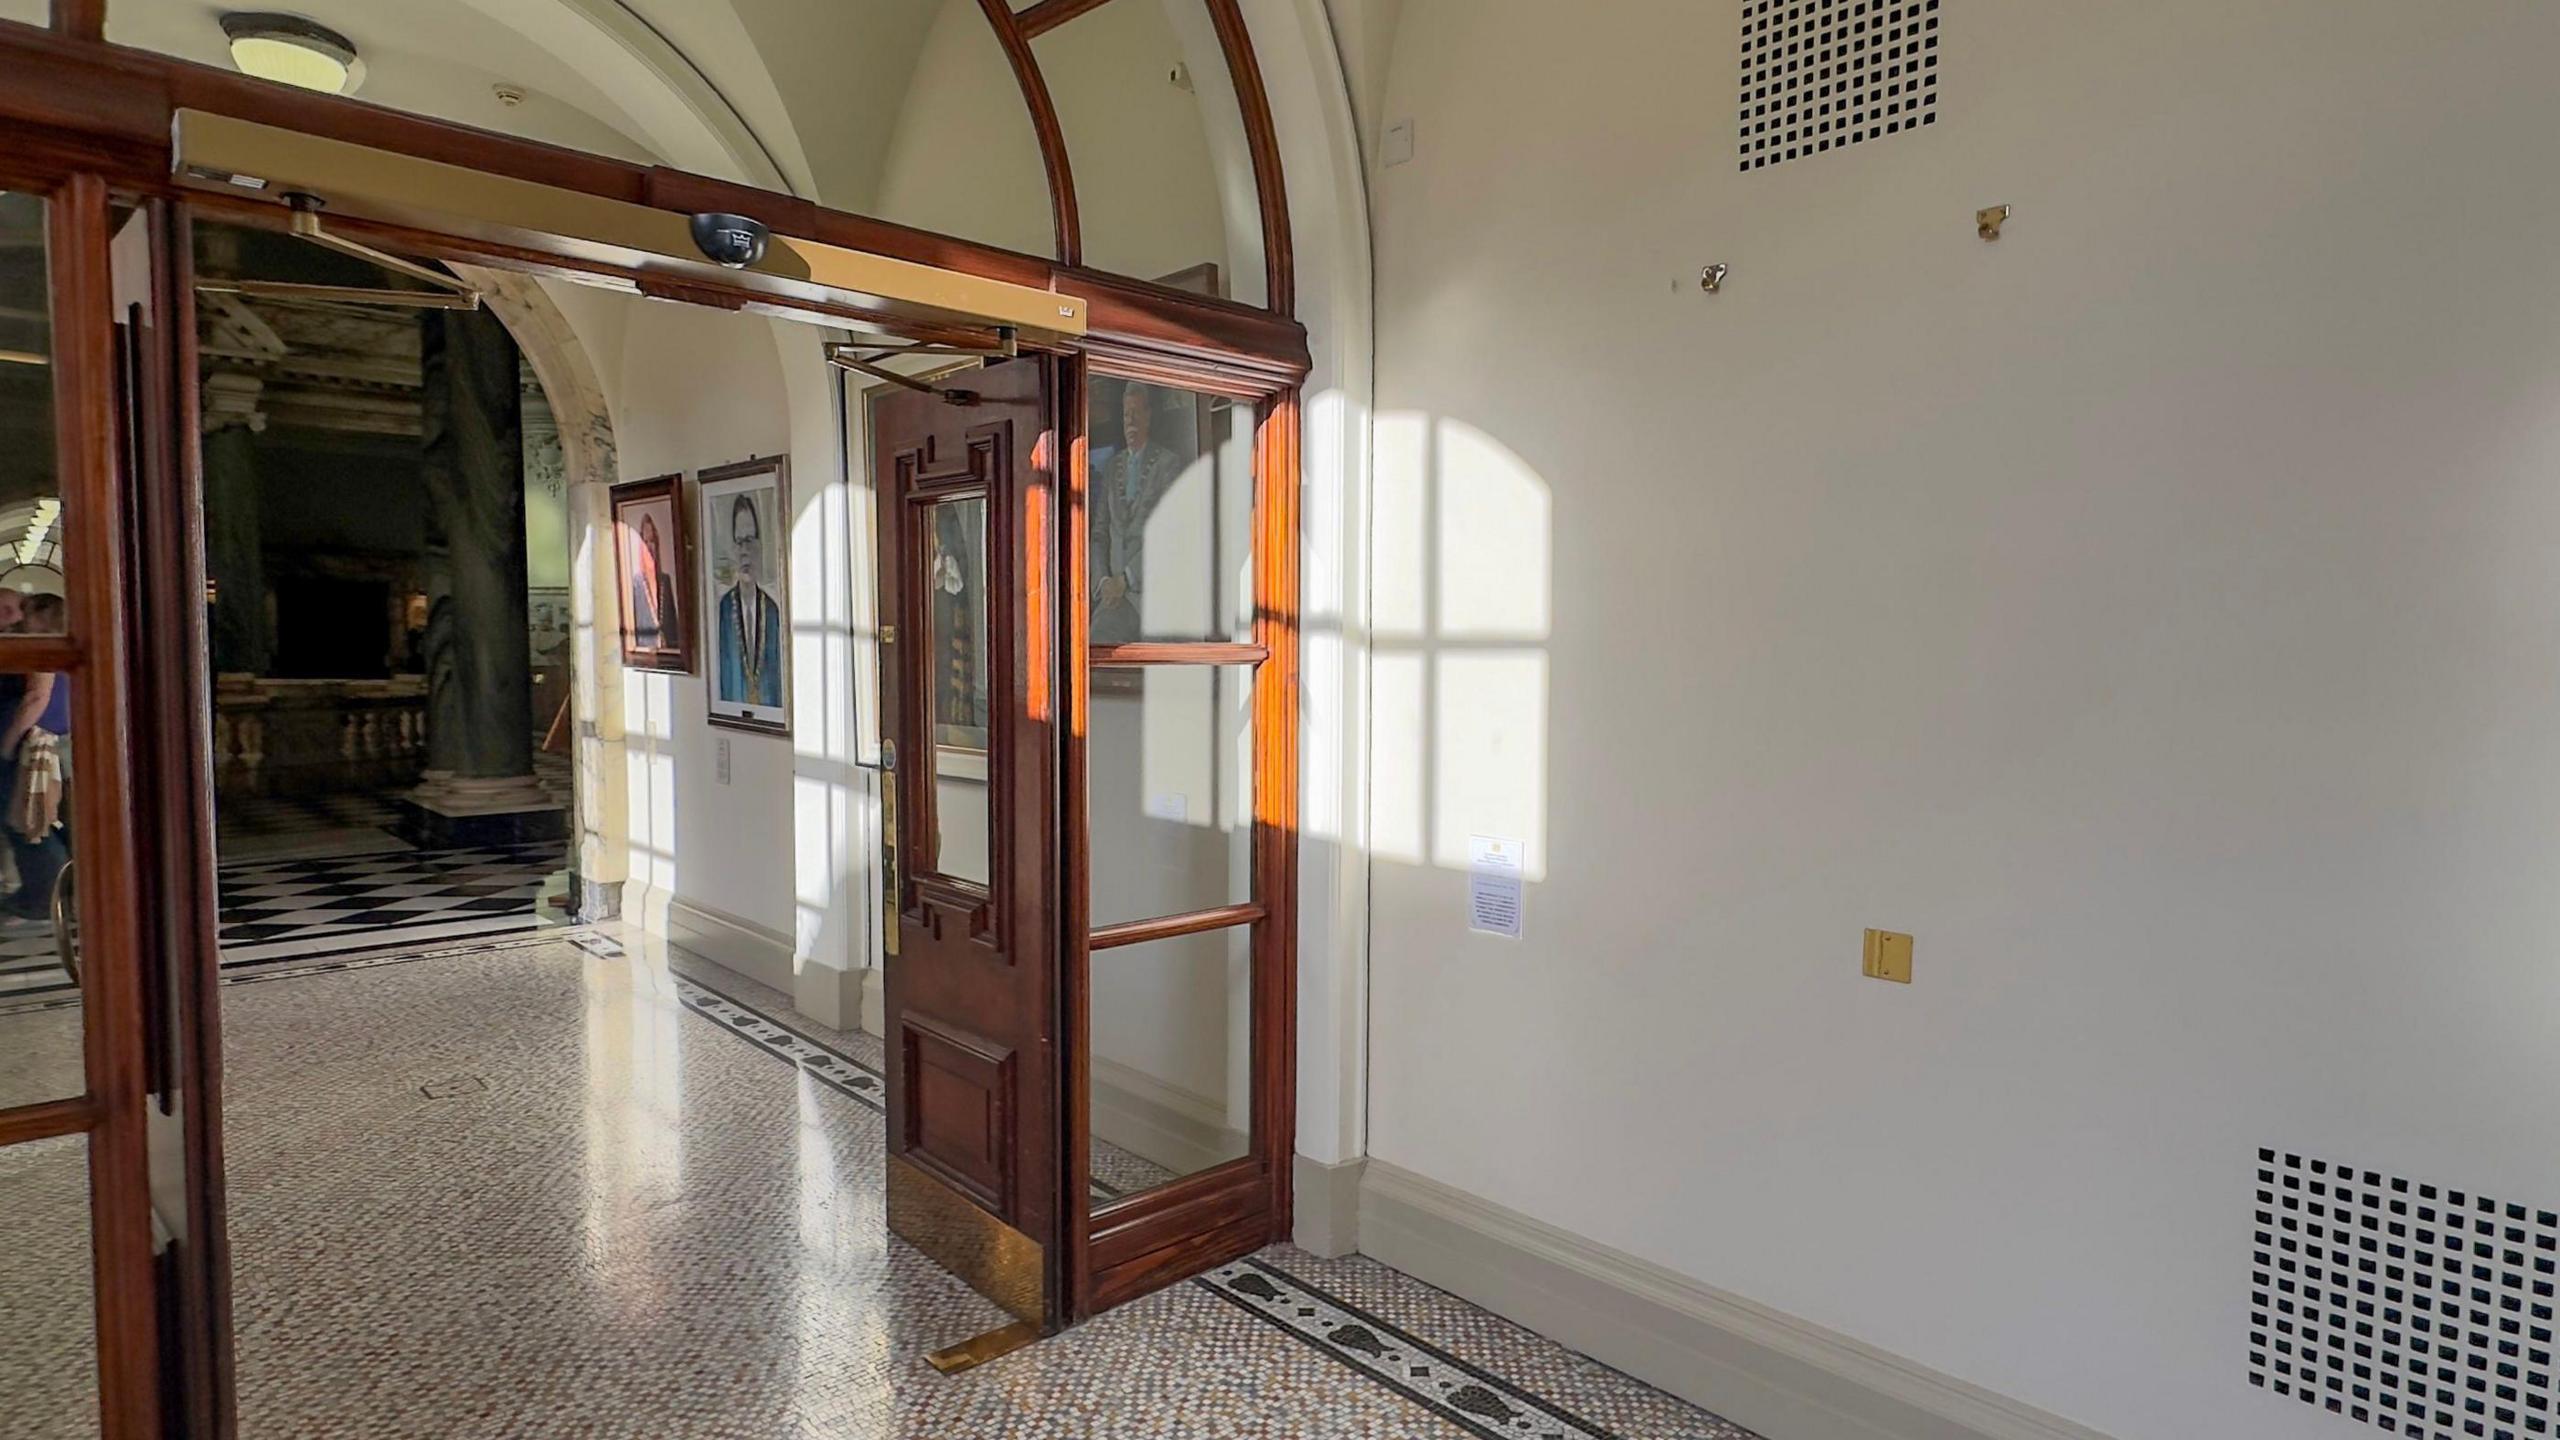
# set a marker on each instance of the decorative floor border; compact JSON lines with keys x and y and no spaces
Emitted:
{"x":1469,"y":1396}
{"x":832,"y":1068}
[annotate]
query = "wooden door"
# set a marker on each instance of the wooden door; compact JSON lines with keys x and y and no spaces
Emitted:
{"x":108,"y":1060}
{"x":970,"y":702}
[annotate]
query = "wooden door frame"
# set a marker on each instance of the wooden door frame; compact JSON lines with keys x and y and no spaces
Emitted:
{"x":120,"y":1057}
{"x":81,"y":121}
{"x":1161,"y":1236}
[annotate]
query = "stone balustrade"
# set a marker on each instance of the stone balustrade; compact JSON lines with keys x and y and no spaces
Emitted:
{"x":315,"y":737}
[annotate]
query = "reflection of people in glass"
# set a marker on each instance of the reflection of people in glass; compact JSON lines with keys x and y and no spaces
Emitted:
{"x":35,"y":766}
{"x":1127,"y":485}
{"x":653,"y":591}
{"x":750,"y":618}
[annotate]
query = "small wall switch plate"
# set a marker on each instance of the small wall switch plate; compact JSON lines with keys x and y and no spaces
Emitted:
{"x":1396,"y":147}
{"x":721,"y":761}
{"x":1888,"y":957}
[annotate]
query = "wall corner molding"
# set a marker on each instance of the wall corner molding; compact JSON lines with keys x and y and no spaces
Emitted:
{"x":1757,"y":1367}
{"x":1327,"y":1212}
{"x":818,"y":991}
{"x":875,"y":1002}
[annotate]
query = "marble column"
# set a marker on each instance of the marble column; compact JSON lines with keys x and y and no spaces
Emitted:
{"x":235,"y":559}
{"x":479,"y":784}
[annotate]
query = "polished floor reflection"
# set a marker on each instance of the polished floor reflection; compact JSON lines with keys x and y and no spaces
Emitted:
{"x":551,"y":1186}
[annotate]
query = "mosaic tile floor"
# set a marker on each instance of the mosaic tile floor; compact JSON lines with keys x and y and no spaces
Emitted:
{"x":547,"y":1186}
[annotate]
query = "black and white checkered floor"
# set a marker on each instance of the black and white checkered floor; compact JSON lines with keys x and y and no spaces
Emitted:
{"x":272,"y":909}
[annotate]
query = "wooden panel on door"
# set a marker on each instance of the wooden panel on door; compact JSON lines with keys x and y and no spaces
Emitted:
{"x":967,"y":546}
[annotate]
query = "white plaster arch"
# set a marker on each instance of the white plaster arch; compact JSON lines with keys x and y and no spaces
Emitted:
{"x":678,"y":110}
{"x":1321,"y":157}
{"x":601,"y":825}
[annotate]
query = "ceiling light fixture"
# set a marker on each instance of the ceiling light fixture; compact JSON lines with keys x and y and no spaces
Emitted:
{"x":293,"y":51}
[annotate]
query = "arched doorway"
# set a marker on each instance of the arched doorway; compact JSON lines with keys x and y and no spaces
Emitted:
{"x":1228,"y":339}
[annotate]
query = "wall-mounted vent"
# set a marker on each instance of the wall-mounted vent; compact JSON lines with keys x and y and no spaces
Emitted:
{"x":1818,"y":75}
{"x":2423,"y":1310}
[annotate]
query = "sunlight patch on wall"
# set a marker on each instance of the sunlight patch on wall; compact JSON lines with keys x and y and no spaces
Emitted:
{"x":1399,"y":786}
{"x":1489,"y":750}
{"x":1494,"y":526}
{"x":1464,"y":606}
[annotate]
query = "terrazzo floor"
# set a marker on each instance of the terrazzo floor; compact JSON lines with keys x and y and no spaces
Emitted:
{"x":570,"y":1185}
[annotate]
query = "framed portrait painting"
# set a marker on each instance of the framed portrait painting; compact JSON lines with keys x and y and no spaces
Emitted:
{"x":1143,"y":440}
{"x":746,"y":538}
{"x":653,"y":572}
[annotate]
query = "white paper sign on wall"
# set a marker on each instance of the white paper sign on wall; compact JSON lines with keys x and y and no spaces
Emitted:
{"x":1494,"y":866}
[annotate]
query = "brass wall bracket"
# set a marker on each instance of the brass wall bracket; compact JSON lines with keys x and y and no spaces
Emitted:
{"x":1987,"y":223}
{"x":1711,"y":279}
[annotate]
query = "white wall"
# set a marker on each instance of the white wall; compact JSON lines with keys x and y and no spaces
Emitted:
{"x":775,"y":847}
{"x":2153,"y":611}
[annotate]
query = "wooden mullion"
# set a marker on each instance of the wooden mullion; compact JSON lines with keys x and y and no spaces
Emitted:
{"x":50,"y":1120}
{"x":1073,"y":397}
{"x":1275,"y":789}
{"x":120,"y":1239}
{"x":81,"y":19}
{"x":29,"y":654}
{"x":1174,"y":927}
{"x":1016,"y":43}
{"x":1175,"y":652}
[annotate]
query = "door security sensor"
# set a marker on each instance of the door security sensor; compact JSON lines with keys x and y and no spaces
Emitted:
{"x":733,"y":241}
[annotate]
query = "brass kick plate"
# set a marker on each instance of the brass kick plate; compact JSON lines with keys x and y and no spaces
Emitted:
{"x":978,"y":1350}
{"x":1888,"y":957}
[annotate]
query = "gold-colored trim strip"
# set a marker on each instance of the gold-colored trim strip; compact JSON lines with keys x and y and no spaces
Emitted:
{"x":995,"y":1259}
{"x":977,"y":1350}
{"x":241,"y":157}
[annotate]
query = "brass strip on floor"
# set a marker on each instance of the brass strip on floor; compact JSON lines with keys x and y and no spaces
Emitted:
{"x":978,"y":1350}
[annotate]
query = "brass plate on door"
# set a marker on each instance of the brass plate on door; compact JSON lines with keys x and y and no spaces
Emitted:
{"x":995,"y":1259}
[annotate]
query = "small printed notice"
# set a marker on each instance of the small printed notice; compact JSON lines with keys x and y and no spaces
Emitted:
{"x":1494,"y":867}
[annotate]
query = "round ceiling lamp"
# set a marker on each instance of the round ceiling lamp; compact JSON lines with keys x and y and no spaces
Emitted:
{"x":293,"y":51}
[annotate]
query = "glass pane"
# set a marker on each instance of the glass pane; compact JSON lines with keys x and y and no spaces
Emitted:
{"x":40,"y":1028}
{"x":48,"y":1338}
{"x":902,"y":109}
{"x":955,"y":577}
{"x":1170,"y":503}
{"x":1172,"y":1070}
{"x":1164,"y":181}
{"x":1169,"y":785}
{"x":30,"y":494}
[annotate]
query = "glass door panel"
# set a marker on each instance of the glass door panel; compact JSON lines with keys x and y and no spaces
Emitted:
{"x":30,"y":478}
{"x":1172,"y":1060}
{"x":1170,"y":497}
{"x":1169,"y":790}
{"x":1181,"y":974}
{"x":955,"y":608}
{"x":48,"y":1321}
{"x":42,"y":1027}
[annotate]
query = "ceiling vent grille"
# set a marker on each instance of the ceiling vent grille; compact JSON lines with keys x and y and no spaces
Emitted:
{"x":2422,"y":1310}
{"x":1818,"y":75}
